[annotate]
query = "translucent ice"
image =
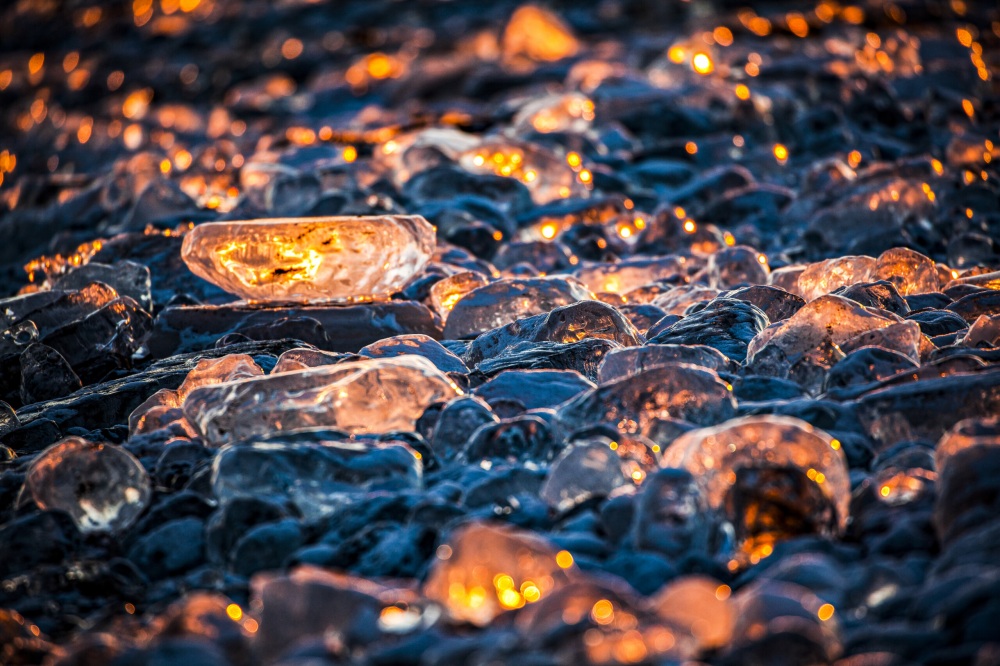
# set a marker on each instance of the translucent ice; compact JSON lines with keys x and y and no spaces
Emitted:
{"x":447,"y":292}
{"x":508,"y":300}
{"x":588,"y":469}
{"x":827,"y":276}
{"x":102,"y":487}
{"x":310,"y":259}
{"x":700,"y":604}
{"x":911,"y":272}
{"x":207,"y":372}
{"x":674,"y":391}
{"x":377,"y":395}
{"x":813,"y":333}
{"x":484,"y":570}
{"x":772,"y":477}
{"x":317,"y":474}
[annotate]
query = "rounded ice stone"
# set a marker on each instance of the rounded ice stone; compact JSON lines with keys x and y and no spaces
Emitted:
{"x":102,"y":487}
{"x":772,"y":477}
{"x":310,"y":259}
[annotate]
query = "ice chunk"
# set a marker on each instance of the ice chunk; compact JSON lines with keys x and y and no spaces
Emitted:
{"x":317,"y":471}
{"x":572,"y":112}
{"x":505,"y":301}
{"x":772,"y":477}
{"x":674,"y":391}
{"x":102,"y":487}
{"x":484,"y":570}
{"x":964,"y":435}
{"x":418,"y":345}
{"x":601,"y":623}
{"x":621,"y":363}
{"x":824,"y":277}
{"x":911,"y":272}
{"x":592,"y":468}
{"x":310,"y":259}
{"x":377,"y":395}
{"x":671,"y":515}
{"x":701,"y":605}
{"x":537,"y":34}
{"x":447,"y":292}
{"x":813,"y":334}
{"x":207,"y":372}
{"x":624,"y":276}
{"x":310,"y":603}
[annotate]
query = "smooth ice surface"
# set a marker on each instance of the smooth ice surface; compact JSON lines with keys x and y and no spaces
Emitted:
{"x":377,"y":395}
{"x":102,"y":487}
{"x":306,"y":260}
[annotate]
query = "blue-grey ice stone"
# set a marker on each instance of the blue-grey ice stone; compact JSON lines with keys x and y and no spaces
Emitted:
{"x":726,"y":324}
{"x":316,"y":477}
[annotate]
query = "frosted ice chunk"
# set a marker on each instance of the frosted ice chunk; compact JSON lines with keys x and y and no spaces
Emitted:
{"x":485,"y":570}
{"x":304,"y":260}
{"x":377,"y":395}
{"x":102,"y":487}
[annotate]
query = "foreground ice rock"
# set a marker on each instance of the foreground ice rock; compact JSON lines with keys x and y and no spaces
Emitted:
{"x":772,"y":477}
{"x":101,"y":486}
{"x":485,"y":570}
{"x":310,"y":259}
{"x":377,"y":395}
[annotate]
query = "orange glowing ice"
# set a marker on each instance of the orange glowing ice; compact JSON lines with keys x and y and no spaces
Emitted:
{"x":310,"y":259}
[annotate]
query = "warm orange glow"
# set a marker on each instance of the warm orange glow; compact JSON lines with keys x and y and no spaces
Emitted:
{"x":676,"y":54}
{"x":573,"y":159}
{"x":825,"y":612}
{"x":234,"y":612}
{"x":291,"y":48}
{"x":603,"y":612}
{"x":538,"y":34}
{"x":690,"y":227}
{"x":797,"y":24}
{"x":854,"y":158}
{"x":350,"y":154}
{"x":691,"y":147}
{"x":742,"y":92}
{"x":723,"y":36}
{"x":549,"y":230}
{"x":702,"y":63}
{"x":723,"y":592}
{"x":855,"y":15}
{"x":967,"y":107}
{"x":780,"y":152}
{"x":36,"y":62}
{"x":564,"y":559}
{"x":585,"y":176}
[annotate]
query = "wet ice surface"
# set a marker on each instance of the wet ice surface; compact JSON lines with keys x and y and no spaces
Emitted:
{"x":459,"y":332}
